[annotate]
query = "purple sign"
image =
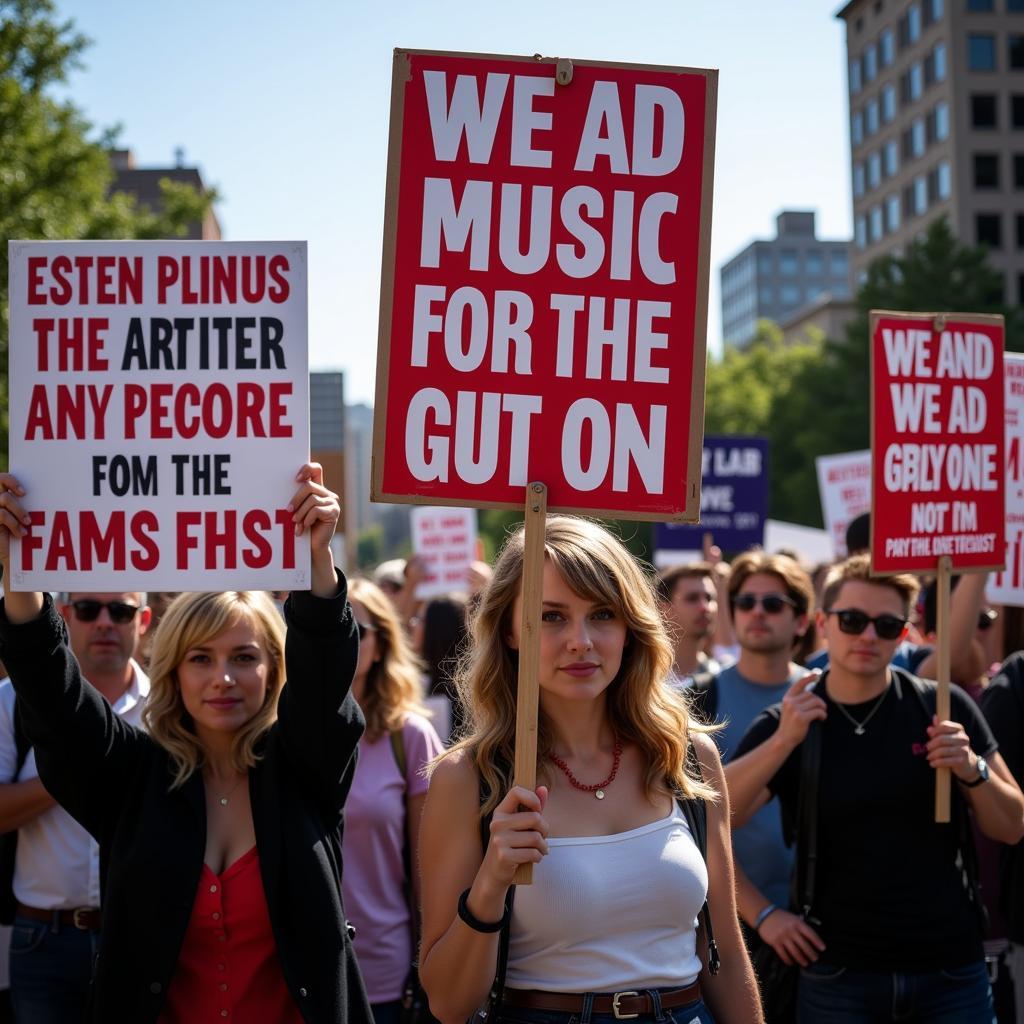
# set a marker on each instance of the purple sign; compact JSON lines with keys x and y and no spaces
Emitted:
{"x":733,"y":498}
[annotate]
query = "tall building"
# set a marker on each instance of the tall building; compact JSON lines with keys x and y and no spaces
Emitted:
{"x":936,"y":93}
{"x":773,"y":279}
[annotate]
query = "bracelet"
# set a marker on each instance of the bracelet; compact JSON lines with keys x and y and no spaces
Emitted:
{"x":763,"y":916}
{"x":475,"y":923}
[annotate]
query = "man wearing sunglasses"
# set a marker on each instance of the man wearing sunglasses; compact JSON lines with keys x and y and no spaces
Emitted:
{"x":56,"y":868}
{"x":893,"y":899}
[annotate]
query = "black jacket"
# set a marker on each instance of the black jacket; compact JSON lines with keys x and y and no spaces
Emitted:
{"x":115,"y":781}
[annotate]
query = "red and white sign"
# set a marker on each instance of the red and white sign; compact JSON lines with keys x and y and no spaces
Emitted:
{"x":445,"y":539}
{"x":159,"y":411}
{"x":844,"y":483}
{"x":544,"y":285}
{"x":937,"y":440}
{"x":1007,"y":587}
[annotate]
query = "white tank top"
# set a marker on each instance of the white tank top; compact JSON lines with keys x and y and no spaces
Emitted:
{"x":609,"y":913}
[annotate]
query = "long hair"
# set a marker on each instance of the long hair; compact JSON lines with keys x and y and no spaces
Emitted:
{"x":191,"y":621}
{"x":392,"y":688}
{"x":444,"y":636}
{"x":642,"y":707}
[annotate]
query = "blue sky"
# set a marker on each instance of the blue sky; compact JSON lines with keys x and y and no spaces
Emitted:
{"x":284,"y":107}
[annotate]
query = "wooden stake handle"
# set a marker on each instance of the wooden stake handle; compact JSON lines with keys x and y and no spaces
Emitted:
{"x":942,"y":706}
{"x":527,"y":701}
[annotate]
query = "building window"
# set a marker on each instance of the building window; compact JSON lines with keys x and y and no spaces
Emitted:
{"x":944,"y":184}
{"x":913,"y":24}
{"x":854,"y":77}
{"x":941,"y":121}
{"x":915,"y":82}
{"x":788,"y":263}
{"x":917,"y":137}
{"x":838,"y":263}
{"x":766,"y":295}
{"x":1015,"y":52}
{"x":919,"y":190}
{"x":988,"y":230}
{"x":887,"y":48}
{"x":936,"y":10}
{"x":983,"y":110}
{"x":986,"y":170}
{"x":939,"y":61}
{"x":860,"y":232}
{"x":981,"y":6}
{"x":875,"y":170}
{"x":857,"y":128}
{"x":876,"y":225}
{"x":789,"y":295}
{"x":891,"y":158}
{"x":981,"y":53}
{"x":764,"y":262}
{"x":858,"y":179}
{"x":1018,"y":170}
{"x":871,"y":118}
{"x":888,"y":103}
{"x":892,"y":212}
{"x":870,"y":64}
{"x":814,"y":264}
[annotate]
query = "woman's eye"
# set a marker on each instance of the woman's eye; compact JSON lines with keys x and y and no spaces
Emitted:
{"x":245,"y":658}
{"x":198,"y":659}
{"x":604,"y":614}
{"x":551,"y":617}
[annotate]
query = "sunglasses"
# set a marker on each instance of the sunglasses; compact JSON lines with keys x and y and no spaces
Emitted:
{"x":362,"y":628}
{"x":987,"y":618}
{"x":854,"y":622}
{"x":771,"y":603}
{"x":88,"y":610}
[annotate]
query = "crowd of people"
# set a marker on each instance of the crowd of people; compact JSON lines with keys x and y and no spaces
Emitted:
{"x":236,"y":806}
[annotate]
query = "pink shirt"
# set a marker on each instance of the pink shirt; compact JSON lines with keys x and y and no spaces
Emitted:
{"x":373,"y":882}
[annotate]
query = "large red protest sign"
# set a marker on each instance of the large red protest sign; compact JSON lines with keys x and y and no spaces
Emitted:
{"x":937,"y":441}
{"x":544,"y":286}
{"x":159,"y":411}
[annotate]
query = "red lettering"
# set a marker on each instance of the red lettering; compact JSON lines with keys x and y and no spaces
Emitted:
{"x":283,"y":518}
{"x":185,"y":541}
{"x":62,"y":545}
{"x":223,"y":540}
{"x":134,"y":406}
{"x":250,"y":405}
{"x":42,"y":327}
{"x":107,"y":546}
{"x":62,"y":292}
{"x":278,"y":268}
{"x":35,"y":280}
{"x":32,"y":541}
{"x":254,"y":524}
{"x":279,"y":391}
{"x":217,"y":395}
{"x":166,"y":274}
{"x":142,"y":525}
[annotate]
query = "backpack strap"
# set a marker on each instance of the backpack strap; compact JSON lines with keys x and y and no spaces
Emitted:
{"x":695,"y":811}
{"x":806,"y":868}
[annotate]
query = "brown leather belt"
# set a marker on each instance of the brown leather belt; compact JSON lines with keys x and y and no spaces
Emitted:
{"x":85,"y":919}
{"x":624,"y":1005}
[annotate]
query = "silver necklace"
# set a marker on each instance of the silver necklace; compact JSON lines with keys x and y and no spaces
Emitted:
{"x":223,"y":800}
{"x":858,"y":727}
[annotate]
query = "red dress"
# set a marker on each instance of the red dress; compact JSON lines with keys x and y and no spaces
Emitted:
{"x":228,"y":968}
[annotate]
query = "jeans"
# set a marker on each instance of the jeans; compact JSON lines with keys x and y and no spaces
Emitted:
{"x":692,"y":1013}
{"x":841,"y":995}
{"x":50,"y":972}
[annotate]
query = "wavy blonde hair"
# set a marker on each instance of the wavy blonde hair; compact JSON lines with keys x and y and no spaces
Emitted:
{"x":393,"y":688}
{"x":642,"y":707}
{"x":190,"y":621}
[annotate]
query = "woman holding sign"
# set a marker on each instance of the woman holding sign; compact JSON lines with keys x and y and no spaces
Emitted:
{"x":608,"y":925}
{"x":219,"y":830}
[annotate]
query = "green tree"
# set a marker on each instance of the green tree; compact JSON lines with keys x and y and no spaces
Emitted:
{"x":55,"y":172}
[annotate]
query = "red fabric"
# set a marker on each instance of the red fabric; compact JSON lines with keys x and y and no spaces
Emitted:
{"x":228,"y":968}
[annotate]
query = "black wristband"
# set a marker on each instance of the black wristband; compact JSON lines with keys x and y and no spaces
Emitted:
{"x":475,"y":923}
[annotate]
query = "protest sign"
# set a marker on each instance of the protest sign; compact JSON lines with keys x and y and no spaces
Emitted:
{"x":1007,"y":587}
{"x":733,"y":499}
{"x":544,"y":284}
{"x":159,"y":396}
{"x":844,"y":484}
{"x":937,"y":430}
{"x":445,"y":540}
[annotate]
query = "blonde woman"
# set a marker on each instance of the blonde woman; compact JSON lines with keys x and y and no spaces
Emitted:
{"x":608,"y":927}
{"x":382,"y":816}
{"x":219,"y":830}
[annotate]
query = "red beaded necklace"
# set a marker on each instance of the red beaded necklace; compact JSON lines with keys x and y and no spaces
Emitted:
{"x":597,"y":788}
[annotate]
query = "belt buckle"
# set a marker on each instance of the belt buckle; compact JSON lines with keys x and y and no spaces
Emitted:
{"x":619,"y":1015}
{"x":77,"y":916}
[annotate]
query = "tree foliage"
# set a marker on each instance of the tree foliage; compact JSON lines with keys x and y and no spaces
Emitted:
{"x":55,"y":172}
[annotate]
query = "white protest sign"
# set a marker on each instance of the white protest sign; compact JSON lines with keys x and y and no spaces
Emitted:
{"x":445,"y":539}
{"x":159,"y":412}
{"x":1007,"y":587}
{"x":844,"y":483}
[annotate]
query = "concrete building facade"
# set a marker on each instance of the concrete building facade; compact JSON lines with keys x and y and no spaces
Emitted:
{"x":936,"y":106}
{"x":773,"y":279}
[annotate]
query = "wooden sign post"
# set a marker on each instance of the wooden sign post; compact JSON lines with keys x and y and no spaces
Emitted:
{"x":937,"y":462}
{"x":544,"y":294}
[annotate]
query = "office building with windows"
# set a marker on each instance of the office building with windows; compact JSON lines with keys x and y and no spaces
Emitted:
{"x":773,"y":279}
{"x":936,"y":91}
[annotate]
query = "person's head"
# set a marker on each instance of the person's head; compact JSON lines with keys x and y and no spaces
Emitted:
{"x":863,"y":616}
{"x":438,"y":635}
{"x":858,"y":534}
{"x":216,"y":671}
{"x":387,"y":680}
{"x":390,"y":576}
{"x":770,"y":597}
{"x":602,"y":638}
{"x":688,"y":600}
{"x":104,"y":629}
